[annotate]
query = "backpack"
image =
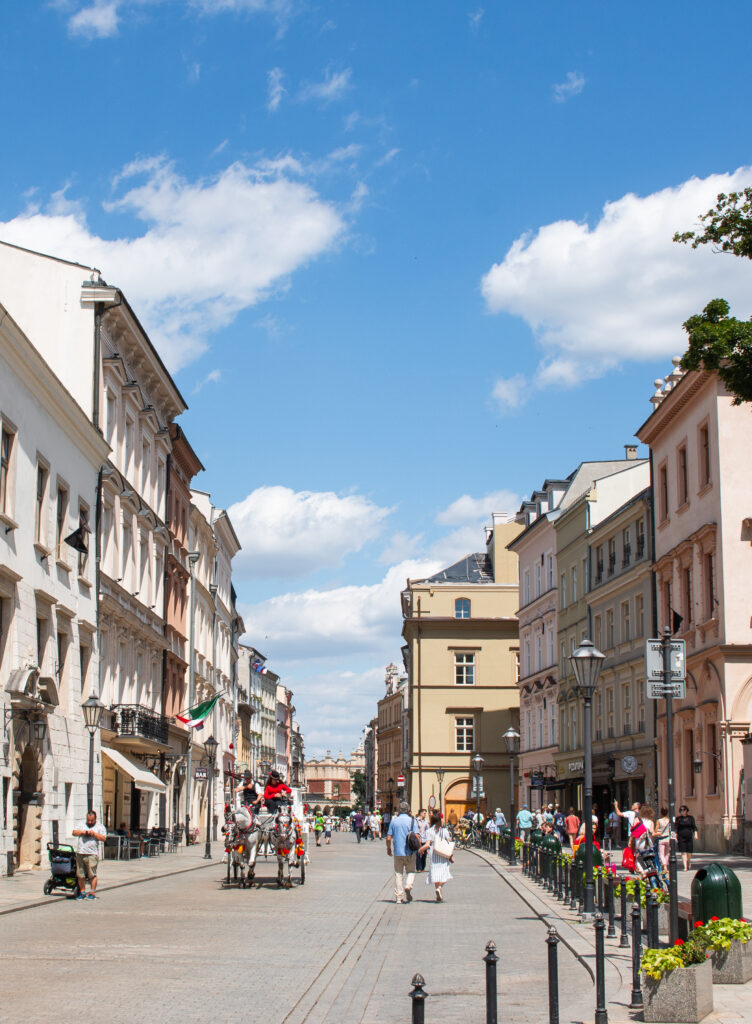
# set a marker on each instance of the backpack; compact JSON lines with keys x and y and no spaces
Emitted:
{"x":413,"y":839}
{"x":640,"y":834}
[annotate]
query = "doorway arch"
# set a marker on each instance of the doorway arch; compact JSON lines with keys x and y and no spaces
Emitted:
{"x":28,"y":809}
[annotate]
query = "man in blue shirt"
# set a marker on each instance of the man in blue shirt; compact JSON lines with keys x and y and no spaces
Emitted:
{"x":524,"y":823}
{"x":400,"y":827}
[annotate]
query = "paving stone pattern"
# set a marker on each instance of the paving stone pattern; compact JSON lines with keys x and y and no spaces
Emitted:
{"x":182,"y":949}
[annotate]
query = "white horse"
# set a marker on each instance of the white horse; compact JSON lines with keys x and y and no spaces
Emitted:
{"x":242,"y":843}
{"x":282,"y":837}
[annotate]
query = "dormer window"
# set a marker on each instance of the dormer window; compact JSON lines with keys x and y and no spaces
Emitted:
{"x":462,"y":608}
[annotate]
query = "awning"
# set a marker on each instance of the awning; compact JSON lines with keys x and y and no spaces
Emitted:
{"x":143,"y":778}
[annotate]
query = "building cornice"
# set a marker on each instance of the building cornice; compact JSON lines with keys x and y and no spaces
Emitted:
{"x":673,"y":404}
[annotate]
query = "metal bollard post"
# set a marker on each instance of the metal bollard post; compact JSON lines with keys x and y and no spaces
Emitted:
{"x":557,"y":877}
{"x":623,"y":941}
{"x":491,"y":1001}
{"x":601,"y":905}
{"x":601,"y":1014}
{"x":553,"y":977}
{"x":573,"y":887}
{"x":418,"y":996}
{"x":611,"y":933}
{"x":636,"y":1003}
{"x":651,"y":913}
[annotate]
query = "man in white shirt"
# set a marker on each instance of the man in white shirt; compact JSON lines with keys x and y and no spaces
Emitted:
{"x":90,"y":834}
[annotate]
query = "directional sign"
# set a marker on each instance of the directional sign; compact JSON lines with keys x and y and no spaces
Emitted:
{"x":654,"y":660}
{"x":656,"y":690}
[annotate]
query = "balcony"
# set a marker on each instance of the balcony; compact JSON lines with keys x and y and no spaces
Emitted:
{"x":136,"y":722}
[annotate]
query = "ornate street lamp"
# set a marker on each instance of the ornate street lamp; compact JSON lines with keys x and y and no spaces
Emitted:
{"x":512,"y":739}
{"x":587,"y":661}
{"x":477,"y":763}
{"x":440,"y":777}
{"x":211,"y":752}
{"x":92,"y":710}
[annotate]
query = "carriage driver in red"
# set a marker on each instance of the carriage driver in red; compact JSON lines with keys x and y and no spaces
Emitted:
{"x":275,"y":788}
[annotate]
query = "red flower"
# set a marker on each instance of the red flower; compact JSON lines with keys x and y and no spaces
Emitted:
{"x":743,"y":920}
{"x":699,"y":924}
{"x":679,"y":942}
{"x":714,"y":919}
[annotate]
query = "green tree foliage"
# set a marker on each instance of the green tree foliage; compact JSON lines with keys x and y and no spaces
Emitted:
{"x":718,"y":341}
{"x":359,"y":787}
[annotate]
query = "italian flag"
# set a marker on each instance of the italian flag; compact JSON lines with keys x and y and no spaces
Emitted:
{"x":195,"y":717}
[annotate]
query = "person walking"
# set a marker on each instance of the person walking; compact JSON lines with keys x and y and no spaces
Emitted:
{"x":357,"y":824}
{"x":686,"y":833}
{"x":438,"y":865}
{"x":90,"y":834}
{"x":572,"y":826}
{"x":328,"y":830}
{"x":318,"y":827}
{"x":422,"y":823}
{"x":560,"y":827}
{"x":524,"y":823}
{"x":663,"y":838}
{"x":400,"y":827}
{"x":500,"y":819}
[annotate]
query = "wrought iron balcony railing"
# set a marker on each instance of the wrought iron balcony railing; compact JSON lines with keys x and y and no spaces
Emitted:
{"x":139,"y":721}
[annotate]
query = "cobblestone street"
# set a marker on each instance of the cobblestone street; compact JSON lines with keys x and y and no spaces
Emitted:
{"x":337,"y":949}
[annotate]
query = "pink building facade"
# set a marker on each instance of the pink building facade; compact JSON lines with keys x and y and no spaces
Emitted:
{"x":700,"y":446}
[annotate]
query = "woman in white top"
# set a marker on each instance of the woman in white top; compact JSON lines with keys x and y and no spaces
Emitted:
{"x":438,"y":866}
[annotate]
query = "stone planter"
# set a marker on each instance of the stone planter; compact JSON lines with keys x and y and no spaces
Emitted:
{"x":662,"y":919}
{"x":681,"y":996}
{"x":732,"y":966}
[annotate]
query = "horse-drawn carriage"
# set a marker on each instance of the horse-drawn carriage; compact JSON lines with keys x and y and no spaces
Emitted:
{"x":269,"y":833}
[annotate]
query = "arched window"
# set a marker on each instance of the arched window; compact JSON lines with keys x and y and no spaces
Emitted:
{"x":462,"y":608}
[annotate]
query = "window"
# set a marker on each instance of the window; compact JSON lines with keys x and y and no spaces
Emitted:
{"x":160,"y":483}
{"x":551,"y":572}
{"x":528,"y":730}
{"x":585,"y":574}
{"x":610,"y":628}
{"x":704,"y":453}
{"x":639,"y":615}
{"x":552,"y":737}
{"x":598,"y":715}
{"x":129,"y":430}
{"x":573,"y":726}
{"x":707,"y":569}
{"x":61,"y":516}
{"x":538,"y":573}
{"x":464,"y":669}
{"x":713,"y":759}
{"x":640,"y":538}
{"x":662,"y":494}
{"x":611,"y":556}
{"x":40,"y":525}
{"x":527,"y":588}
{"x":462,"y":608}
{"x":599,"y":563}
{"x":563,"y":590}
{"x":627,"y":709}
{"x":517,"y":666}
{"x":83,"y":525}
{"x":62,"y":655}
{"x":610,"y":712}
{"x":528,"y":666}
{"x":551,"y":654}
{"x":641,"y":706}
{"x":125,"y":574}
{"x":464,"y":735}
{"x":6,"y":452}
{"x":626,"y":547}
{"x":597,"y":634}
{"x":681,"y":475}
{"x":111,"y":418}
{"x":574,"y":583}
{"x":540,"y":727}
{"x":667,"y":616}
{"x":84,"y":659}
{"x":626,"y":625}
{"x":5,"y":616}
{"x":686,"y":578}
{"x":563,"y":657}
{"x":41,"y":643}
{"x":539,"y":652}
{"x":145,"y":466}
{"x":689,"y":749}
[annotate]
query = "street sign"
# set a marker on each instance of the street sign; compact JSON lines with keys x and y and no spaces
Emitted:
{"x":400,"y":780}
{"x":201,"y":774}
{"x":654,"y":660}
{"x":656,"y":690}
{"x":431,"y":802}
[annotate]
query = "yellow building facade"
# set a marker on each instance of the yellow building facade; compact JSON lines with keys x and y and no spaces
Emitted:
{"x":462,"y":656}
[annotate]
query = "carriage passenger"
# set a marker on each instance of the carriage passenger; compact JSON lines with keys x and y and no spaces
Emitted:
{"x":274,"y":793}
{"x":249,"y":795}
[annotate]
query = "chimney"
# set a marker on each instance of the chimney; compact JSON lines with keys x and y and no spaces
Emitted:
{"x":630,"y":452}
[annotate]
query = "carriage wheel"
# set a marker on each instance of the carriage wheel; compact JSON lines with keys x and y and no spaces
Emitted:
{"x":47,"y":889}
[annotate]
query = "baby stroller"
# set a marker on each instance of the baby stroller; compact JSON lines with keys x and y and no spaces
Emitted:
{"x":63,"y":868}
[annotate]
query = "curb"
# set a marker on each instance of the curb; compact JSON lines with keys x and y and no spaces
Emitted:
{"x":107,"y":888}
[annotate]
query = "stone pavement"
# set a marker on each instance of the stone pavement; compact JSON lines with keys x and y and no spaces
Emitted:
{"x":184,"y":949}
{"x":732,"y":1003}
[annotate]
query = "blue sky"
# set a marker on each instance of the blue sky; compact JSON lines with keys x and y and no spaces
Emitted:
{"x":406,"y":260}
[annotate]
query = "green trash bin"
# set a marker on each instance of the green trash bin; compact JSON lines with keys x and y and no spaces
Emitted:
{"x":716,"y":892}
{"x":579,"y":857}
{"x":550,"y":843}
{"x":535,"y":837}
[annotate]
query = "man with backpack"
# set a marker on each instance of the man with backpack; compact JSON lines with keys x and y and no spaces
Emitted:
{"x":402,"y":828}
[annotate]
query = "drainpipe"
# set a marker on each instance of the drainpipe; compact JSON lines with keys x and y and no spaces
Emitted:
{"x":193,"y":557}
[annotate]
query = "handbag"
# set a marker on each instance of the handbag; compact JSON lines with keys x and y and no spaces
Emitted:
{"x":413,"y":840}
{"x":444,"y":847}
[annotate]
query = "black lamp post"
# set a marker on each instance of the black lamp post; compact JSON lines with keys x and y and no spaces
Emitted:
{"x":92,"y":709}
{"x":440,"y":777}
{"x":390,"y":783}
{"x":477,"y":763}
{"x":211,"y":752}
{"x":586,"y":665}
{"x":512,"y":740}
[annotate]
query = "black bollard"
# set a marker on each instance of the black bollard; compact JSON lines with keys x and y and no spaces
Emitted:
{"x":573,"y":873}
{"x":601,"y":905}
{"x":557,"y":877}
{"x":553,"y":977}
{"x":601,"y":1014}
{"x":651,"y":914}
{"x":636,"y":1003}
{"x":418,"y":996}
{"x":490,"y":960}
{"x":611,"y":933}
{"x":624,"y":940}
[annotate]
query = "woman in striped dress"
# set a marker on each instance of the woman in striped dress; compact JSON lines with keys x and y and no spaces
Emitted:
{"x":438,"y":866}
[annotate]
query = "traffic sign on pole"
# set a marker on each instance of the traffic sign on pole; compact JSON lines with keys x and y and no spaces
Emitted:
{"x":654,"y":660}
{"x":400,"y":780}
{"x":656,"y":690}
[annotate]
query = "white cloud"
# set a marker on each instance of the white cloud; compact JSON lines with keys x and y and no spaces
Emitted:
{"x":333,"y":706}
{"x":333,"y":87}
{"x":387,"y":157}
{"x":342,"y":622}
{"x":286,"y":533}
{"x":470,"y":510}
{"x":401,"y":547}
{"x":475,"y":17}
{"x":510,"y":393}
{"x":211,"y":247}
{"x":275,"y":89}
{"x":213,"y":377}
{"x":572,"y":85}
{"x":98,"y":21}
{"x":620,"y":290}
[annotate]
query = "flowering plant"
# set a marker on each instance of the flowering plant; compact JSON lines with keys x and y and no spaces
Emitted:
{"x":719,"y":933}
{"x":657,"y":962}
